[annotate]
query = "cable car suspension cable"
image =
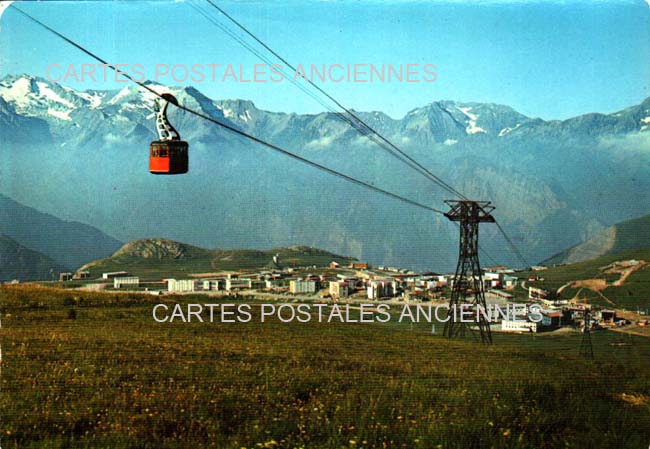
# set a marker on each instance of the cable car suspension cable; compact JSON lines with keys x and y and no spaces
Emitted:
{"x":354,"y":123}
{"x":357,"y":123}
{"x":368,"y":129}
{"x":246,"y":135}
{"x":233,"y":129}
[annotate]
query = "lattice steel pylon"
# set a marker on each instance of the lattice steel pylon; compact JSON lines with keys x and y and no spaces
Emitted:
{"x":468,"y":288}
{"x":586,"y":348}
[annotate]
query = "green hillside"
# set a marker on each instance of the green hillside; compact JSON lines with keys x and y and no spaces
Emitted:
{"x":159,"y":258}
{"x":624,"y":236}
{"x":633,"y":292}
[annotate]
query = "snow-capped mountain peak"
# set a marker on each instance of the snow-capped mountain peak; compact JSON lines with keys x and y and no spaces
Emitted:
{"x":137,"y":94}
{"x":34,"y":96}
{"x":237,"y":110}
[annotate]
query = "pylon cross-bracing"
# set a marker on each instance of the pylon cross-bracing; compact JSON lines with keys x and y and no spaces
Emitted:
{"x":468,"y":291}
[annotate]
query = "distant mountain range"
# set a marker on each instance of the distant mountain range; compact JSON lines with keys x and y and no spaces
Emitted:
{"x":68,"y":244}
{"x":625,"y":236}
{"x":82,"y":155}
{"x":154,"y":259}
{"x":23,"y":264}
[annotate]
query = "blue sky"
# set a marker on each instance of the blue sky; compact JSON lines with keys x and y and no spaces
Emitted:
{"x":552,"y":59}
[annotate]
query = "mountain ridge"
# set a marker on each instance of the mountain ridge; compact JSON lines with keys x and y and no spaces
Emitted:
{"x":68,"y":243}
{"x":18,"y":262}
{"x":114,"y":96}
{"x":555,"y":183}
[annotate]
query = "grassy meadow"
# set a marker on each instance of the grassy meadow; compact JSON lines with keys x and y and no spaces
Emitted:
{"x":91,"y":370}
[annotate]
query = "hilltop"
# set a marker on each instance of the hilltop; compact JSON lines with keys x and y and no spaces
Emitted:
{"x":156,"y":258}
{"x":624,"y":236}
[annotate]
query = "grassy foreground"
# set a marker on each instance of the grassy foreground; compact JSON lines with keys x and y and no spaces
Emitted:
{"x":113,"y":378}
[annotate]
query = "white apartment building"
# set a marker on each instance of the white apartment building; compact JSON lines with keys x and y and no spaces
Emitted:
{"x":300,"y":287}
{"x":518,"y":326}
{"x":180,"y":285}
{"x":127,"y":281}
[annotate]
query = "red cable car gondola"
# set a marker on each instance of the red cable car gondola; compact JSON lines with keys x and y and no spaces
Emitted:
{"x":169,"y":154}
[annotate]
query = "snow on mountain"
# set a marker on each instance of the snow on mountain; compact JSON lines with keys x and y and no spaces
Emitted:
{"x":17,"y":128}
{"x":238,"y":110}
{"x":62,"y":115}
{"x":645,"y":121}
{"x":539,"y":173}
{"x":228,"y":113}
{"x":94,"y":99}
{"x":438,"y":122}
{"x":27,"y":95}
{"x":46,"y":93}
{"x":100,"y":117}
{"x":507,"y":130}
{"x":144,"y":98}
{"x":36,"y":97}
{"x":67,"y":108}
{"x":124,"y":93}
{"x":18,"y":92}
{"x":471,"y":124}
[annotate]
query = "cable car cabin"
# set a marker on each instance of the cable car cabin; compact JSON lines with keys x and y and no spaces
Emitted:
{"x":168,"y":154}
{"x":168,"y":157}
